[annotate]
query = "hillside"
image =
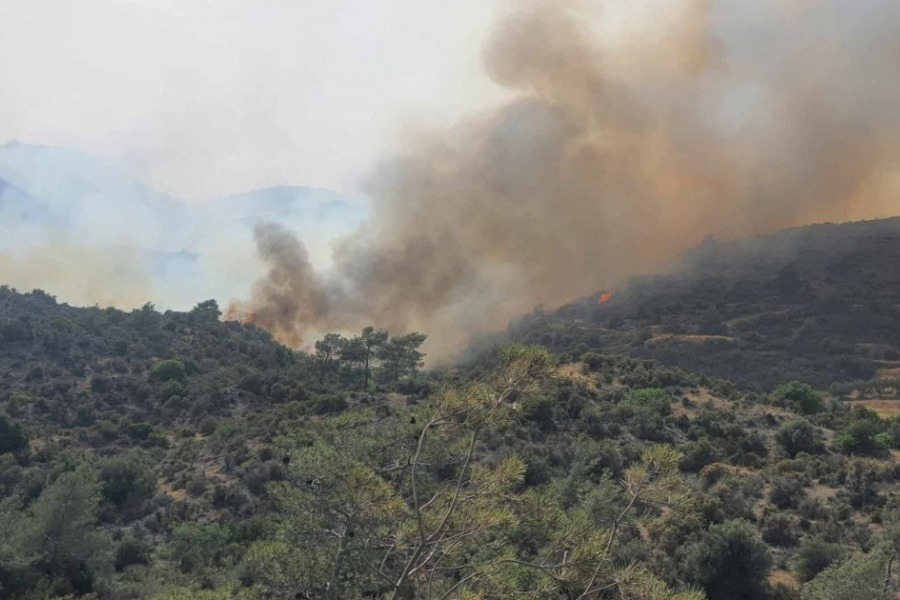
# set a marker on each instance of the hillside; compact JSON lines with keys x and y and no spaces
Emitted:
{"x":174,"y":456}
{"x":820,"y":304}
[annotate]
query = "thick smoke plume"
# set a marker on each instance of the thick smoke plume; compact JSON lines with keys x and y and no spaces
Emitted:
{"x":629,"y":136}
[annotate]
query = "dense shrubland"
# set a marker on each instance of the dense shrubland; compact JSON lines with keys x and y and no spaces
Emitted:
{"x":817,"y":304}
{"x":173,"y":456}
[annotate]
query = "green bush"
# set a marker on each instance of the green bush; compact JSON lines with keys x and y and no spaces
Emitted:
{"x":124,"y":479}
{"x":329,"y":403}
{"x":651,"y":400}
{"x":196,"y":546}
{"x":800,"y":398}
{"x":862,"y":434}
{"x":593,"y":360}
{"x":131,"y":552}
{"x":168,"y":370}
{"x":799,"y":436}
{"x":778,"y":530}
{"x":815,"y":556}
{"x":12,"y":436}
{"x":786,"y":492}
{"x":729,"y":562}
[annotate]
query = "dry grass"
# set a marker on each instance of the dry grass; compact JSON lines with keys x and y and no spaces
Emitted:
{"x":822,"y":492}
{"x":884,"y":408}
{"x":786,"y":578}
{"x":690,"y":339}
{"x":575,"y":372}
{"x":165,"y":489}
{"x":699,"y":400}
{"x":888,"y":373}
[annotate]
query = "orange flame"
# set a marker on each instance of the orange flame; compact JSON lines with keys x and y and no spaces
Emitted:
{"x":605,"y":297}
{"x":249,"y":319}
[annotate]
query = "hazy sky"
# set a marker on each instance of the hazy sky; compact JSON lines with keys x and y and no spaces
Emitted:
{"x":208,"y":97}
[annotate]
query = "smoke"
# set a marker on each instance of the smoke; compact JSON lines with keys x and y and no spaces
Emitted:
{"x":290,"y":296}
{"x":629,"y":136}
{"x":79,"y":274}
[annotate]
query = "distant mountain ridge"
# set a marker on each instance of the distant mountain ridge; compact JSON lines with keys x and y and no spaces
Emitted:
{"x":60,"y":197}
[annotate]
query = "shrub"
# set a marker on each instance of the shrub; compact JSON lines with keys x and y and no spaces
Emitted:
{"x":329,"y":403}
{"x":168,"y":370}
{"x":786,"y":492}
{"x":12,"y":436}
{"x":130,"y":552}
{"x":651,"y":400}
{"x":593,"y":360}
{"x":124,"y":479}
{"x":862,"y":436}
{"x":730,"y":562}
{"x":139,"y":431}
{"x":778,"y":530}
{"x":800,"y":398}
{"x":815,"y":556}
{"x":799,"y":436}
{"x":197,"y":485}
{"x":195,"y":546}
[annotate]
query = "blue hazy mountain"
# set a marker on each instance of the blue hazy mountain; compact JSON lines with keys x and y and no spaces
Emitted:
{"x":74,"y":194}
{"x":19,"y":209}
{"x":53,"y":200}
{"x":290,"y":204}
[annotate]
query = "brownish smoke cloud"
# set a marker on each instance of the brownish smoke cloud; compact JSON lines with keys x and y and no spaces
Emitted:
{"x":78,"y":273}
{"x":620,"y":149}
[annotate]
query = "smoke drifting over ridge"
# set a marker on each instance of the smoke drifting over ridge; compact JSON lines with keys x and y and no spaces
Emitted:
{"x":616,"y":153}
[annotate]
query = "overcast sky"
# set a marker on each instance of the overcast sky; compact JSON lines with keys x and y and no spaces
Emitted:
{"x":201,"y":98}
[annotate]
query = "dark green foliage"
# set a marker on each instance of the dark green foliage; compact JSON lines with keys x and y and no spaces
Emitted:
{"x":651,"y":400}
{"x":12,"y":435}
{"x":593,"y":360}
{"x":400,"y":357}
{"x":196,"y":547}
{"x":800,"y":398}
{"x":328,"y":403}
{"x":125,"y":479}
{"x":787,"y":491}
{"x":814,"y":556}
{"x":862,"y":434}
{"x":58,"y":532}
{"x":206,"y":312}
{"x":131,"y":552}
{"x":795,"y":306}
{"x":861,"y":577}
{"x":373,"y":357}
{"x":730,"y":562}
{"x":698,"y":455}
{"x":183,"y":425}
{"x":779,"y":530}
{"x":139,"y":431}
{"x":799,"y":436}
{"x":362,"y":351}
{"x":168,"y":370}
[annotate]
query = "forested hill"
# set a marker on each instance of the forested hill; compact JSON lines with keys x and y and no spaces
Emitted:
{"x":820,"y":304}
{"x":84,"y":362}
{"x":172,"y":456}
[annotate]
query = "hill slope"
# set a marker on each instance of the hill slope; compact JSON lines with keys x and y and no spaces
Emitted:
{"x":820,"y":304}
{"x":176,"y":457}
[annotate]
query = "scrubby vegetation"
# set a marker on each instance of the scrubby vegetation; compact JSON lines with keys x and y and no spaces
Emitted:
{"x":173,"y":456}
{"x":816,"y":304}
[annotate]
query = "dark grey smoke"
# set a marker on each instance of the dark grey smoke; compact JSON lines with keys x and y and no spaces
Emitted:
{"x":613,"y":158}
